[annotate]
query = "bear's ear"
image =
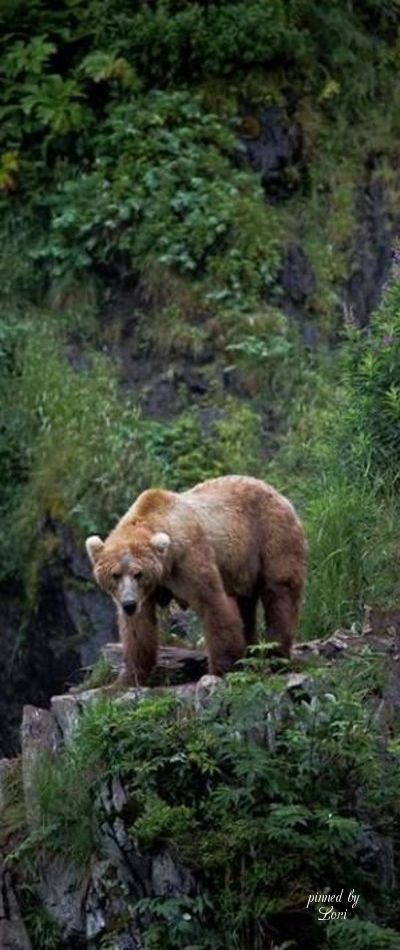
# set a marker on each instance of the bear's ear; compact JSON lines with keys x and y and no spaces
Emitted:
{"x":94,"y":545}
{"x":160,"y":542}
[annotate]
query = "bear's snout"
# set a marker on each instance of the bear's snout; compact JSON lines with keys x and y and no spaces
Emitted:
{"x":129,"y":606}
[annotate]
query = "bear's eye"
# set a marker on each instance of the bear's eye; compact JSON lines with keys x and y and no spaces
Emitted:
{"x":116,"y":576}
{"x":137,"y":575}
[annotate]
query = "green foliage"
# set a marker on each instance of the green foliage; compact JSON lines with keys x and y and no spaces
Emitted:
{"x":266,"y":349}
{"x":341,"y":518}
{"x":160,"y":822}
{"x":101,"y":674}
{"x":121,"y":167}
{"x":163,"y":187}
{"x":42,"y":929}
{"x":373,"y":378}
{"x":12,"y":811}
{"x":351,"y":528}
{"x":257,"y":794}
{"x":354,"y":934}
{"x":74,"y":829}
{"x":189,"y":452}
{"x":339,"y":464}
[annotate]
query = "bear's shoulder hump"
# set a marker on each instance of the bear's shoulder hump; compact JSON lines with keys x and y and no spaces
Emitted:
{"x":153,"y":501}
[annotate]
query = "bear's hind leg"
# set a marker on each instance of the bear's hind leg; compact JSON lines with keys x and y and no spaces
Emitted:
{"x":139,"y":638}
{"x":248,"y":607}
{"x":281,"y":608}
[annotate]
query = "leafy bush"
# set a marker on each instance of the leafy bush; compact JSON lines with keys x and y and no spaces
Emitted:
{"x":163,"y":187}
{"x":116,"y":172}
{"x":188,"y":451}
{"x":361,"y":935}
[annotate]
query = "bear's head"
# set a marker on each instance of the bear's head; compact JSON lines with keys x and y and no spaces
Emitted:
{"x":130,"y":567}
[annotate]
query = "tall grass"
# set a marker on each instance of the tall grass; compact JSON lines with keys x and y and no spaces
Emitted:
{"x":341,"y":519}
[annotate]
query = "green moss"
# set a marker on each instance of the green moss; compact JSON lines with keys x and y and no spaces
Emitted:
{"x":172,"y":333}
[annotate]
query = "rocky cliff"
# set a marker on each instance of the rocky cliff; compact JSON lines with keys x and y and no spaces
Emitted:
{"x":114,"y":898}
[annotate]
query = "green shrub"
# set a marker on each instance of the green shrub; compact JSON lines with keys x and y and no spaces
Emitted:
{"x":163,"y":188}
{"x":189,"y":452}
{"x":361,"y":935}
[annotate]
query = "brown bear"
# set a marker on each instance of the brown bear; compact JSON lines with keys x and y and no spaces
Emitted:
{"x":218,"y":548}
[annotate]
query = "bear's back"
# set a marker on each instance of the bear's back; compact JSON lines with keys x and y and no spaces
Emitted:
{"x":249,"y":524}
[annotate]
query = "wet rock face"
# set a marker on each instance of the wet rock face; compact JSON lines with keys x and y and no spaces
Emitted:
{"x":273,"y":147}
{"x":298,"y":285}
{"x":52,"y":648}
{"x":297,"y":278}
{"x":13,"y":933}
{"x":271,"y":142}
{"x":370,"y":258}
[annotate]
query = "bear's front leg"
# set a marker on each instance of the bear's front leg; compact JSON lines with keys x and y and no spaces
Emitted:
{"x":139,"y":639}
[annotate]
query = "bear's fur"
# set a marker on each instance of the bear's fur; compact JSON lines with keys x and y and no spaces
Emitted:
{"x":218,"y":548}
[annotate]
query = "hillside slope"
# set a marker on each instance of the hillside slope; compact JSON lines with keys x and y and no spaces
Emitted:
{"x":199,"y":202}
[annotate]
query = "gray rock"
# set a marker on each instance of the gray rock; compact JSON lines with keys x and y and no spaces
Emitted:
{"x":8,"y":768}
{"x":112,"y":654}
{"x":370,"y":259}
{"x":376,"y":856}
{"x":133,"y":696}
{"x":115,"y":884}
{"x":66,"y":710}
{"x":174,"y":664}
{"x":93,"y":618}
{"x":333,"y":647}
{"x":205,"y":689}
{"x":299,"y":683}
{"x":272,"y":146}
{"x":95,"y":918}
{"x":62,"y":891}
{"x":39,"y":735}
{"x":73,"y":618}
{"x":297,"y":278}
{"x":13,"y":933}
{"x":169,"y":878}
{"x":126,"y":941}
{"x":380,"y":622}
